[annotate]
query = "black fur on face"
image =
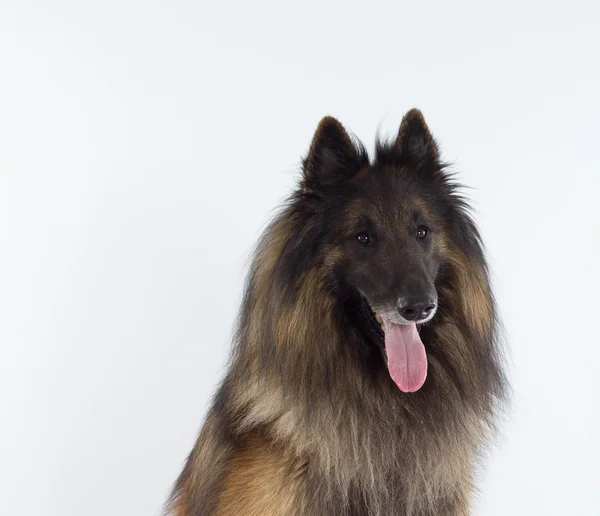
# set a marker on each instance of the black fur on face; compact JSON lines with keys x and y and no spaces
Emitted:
{"x":380,"y":228}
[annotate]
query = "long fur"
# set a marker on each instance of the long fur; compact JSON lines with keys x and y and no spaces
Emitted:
{"x":306,"y":421}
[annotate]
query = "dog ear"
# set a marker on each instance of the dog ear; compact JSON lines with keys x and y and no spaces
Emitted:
{"x":332,"y":154}
{"x":414,"y":143}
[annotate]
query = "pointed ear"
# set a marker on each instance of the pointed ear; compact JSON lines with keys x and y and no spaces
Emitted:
{"x":414,"y":143}
{"x":332,"y":154}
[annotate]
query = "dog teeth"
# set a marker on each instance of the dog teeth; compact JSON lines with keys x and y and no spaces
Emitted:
{"x":378,"y":317}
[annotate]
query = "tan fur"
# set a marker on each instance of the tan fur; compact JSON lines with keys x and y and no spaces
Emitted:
{"x":260,"y":481}
{"x":474,"y":296}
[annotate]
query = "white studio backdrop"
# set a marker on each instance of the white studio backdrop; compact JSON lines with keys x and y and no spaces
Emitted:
{"x":144,"y":146}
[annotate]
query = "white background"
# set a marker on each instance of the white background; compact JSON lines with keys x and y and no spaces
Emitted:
{"x":142,"y":150}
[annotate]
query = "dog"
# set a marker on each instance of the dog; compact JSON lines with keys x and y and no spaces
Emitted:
{"x":367,"y":372}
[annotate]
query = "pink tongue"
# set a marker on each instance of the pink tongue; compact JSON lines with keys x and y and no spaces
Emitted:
{"x":407,"y":361}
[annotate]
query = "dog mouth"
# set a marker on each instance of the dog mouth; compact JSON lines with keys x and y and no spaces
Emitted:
{"x":406,"y":355}
{"x":403,"y":349}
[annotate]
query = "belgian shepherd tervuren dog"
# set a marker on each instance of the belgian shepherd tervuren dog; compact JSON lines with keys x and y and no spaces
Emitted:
{"x":366,"y":373}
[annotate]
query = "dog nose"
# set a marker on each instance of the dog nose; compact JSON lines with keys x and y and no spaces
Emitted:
{"x":416,"y":310}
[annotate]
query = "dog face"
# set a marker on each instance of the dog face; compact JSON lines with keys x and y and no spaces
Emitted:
{"x":385,"y":233}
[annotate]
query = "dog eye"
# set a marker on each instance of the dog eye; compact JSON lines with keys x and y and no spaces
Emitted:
{"x":363,"y":238}
{"x":422,"y":232}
